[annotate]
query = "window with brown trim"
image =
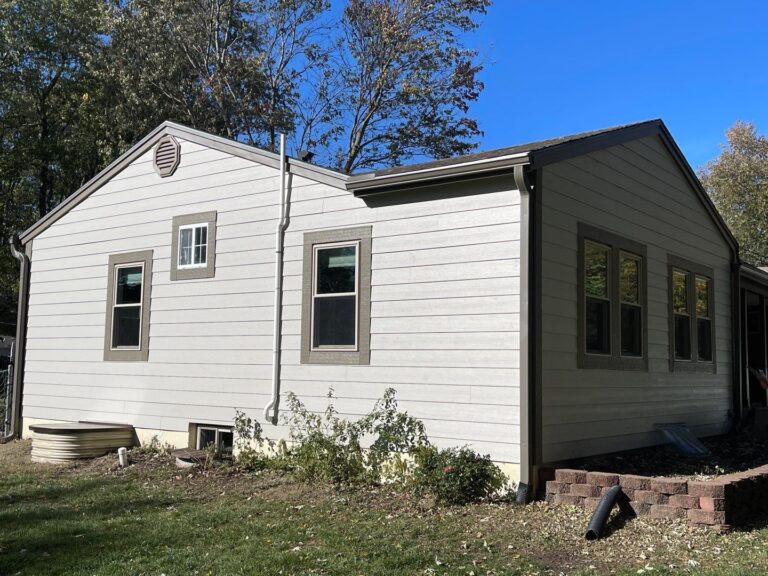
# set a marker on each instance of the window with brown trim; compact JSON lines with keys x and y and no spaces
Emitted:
{"x":612,"y":301}
{"x":126,"y":333}
{"x":691,"y":316}
{"x":336,"y":302}
{"x":193,"y":246}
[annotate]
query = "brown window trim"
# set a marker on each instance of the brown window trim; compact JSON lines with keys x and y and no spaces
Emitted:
{"x":142,"y":353}
{"x":362,"y":355}
{"x":207,"y":271}
{"x":694,"y":364}
{"x":617,"y":244}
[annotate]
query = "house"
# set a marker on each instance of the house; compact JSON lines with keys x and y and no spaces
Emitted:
{"x":538,"y":303}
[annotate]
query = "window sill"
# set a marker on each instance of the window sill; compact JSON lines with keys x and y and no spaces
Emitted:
{"x":688,"y":367}
{"x":348,"y":357}
{"x":595,"y":362}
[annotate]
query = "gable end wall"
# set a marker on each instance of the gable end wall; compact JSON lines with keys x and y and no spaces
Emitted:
{"x":634,"y":190}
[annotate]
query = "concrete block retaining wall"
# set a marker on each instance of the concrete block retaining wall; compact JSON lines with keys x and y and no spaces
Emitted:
{"x":730,"y":500}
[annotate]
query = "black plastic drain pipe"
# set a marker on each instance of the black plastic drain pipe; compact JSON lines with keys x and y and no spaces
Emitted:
{"x":610,"y":499}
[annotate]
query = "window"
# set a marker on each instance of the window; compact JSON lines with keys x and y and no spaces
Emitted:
{"x":692,"y":329}
{"x":193,"y":246}
{"x":612,"y":309}
{"x":336,"y":297}
{"x":221,"y":438}
{"x":126,"y":334}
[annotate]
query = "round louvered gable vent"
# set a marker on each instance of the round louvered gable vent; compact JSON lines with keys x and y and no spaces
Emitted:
{"x":167,"y":156}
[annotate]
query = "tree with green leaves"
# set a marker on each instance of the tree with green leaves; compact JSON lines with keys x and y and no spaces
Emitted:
{"x":737,"y":182}
{"x":403,"y":84}
{"x":83,"y":80}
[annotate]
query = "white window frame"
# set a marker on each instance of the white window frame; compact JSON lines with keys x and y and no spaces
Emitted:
{"x":218,"y":430}
{"x":115,"y":305}
{"x":315,"y":249}
{"x":193,"y":227}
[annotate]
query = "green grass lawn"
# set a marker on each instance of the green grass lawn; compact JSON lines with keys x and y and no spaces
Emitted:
{"x":155,"y":519}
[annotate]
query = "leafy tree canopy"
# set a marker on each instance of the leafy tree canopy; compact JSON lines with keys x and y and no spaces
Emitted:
{"x":377,"y":84}
{"x":737,"y":182}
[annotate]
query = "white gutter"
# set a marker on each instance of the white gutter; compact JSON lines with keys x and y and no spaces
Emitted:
{"x":270,"y":410}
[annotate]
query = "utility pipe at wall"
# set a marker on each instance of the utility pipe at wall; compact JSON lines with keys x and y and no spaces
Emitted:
{"x":14,"y":402}
{"x":270,"y":410}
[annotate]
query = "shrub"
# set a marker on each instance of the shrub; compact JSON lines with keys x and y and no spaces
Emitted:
{"x":327,"y":446}
{"x":456,"y":475}
{"x":250,"y":447}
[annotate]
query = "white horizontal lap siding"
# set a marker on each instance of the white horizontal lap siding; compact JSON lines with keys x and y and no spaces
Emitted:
{"x":635,"y":191}
{"x":445,"y":328}
{"x":210,"y":340}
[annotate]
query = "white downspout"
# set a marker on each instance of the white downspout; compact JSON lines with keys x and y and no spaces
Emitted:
{"x":270,"y":410}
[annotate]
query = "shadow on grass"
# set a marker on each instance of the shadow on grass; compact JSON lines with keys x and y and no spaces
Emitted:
{"x":58,"y":529}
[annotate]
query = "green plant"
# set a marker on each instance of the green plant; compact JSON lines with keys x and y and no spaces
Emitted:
{"x":155,"y":446}
{"x":251,"y":449}
{"x":456,"y":475}
{"x":327,"y":446}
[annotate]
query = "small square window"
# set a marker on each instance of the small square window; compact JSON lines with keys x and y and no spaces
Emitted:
{"x":193,"y":246}
{"x":221,"y":438}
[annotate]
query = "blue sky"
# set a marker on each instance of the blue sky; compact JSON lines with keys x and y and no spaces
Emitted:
{"x":559,"y":67}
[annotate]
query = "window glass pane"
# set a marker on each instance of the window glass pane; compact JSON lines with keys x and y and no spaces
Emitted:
{"x":629,"y":279}
{"x":702,"y":297}
{"x":336,"y":270}
{"x":225,"y":441}
{"x":598,"y":326}
{"x":334,"y":321}
{"x":185,"y":247}
{"x":201,"y":232}
{"x":680,"y":292}
{"x":201,"y":254}
{"x":631,"y":330}
{"x":704,"y":336}
{"x":206,"y":437}
{"x":126,"y":326}
{"x":682,"y":337}
{"x":128,"y":285}
{"x":596,"y":270}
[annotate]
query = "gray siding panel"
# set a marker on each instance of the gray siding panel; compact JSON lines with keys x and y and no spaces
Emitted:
{"x":444,"y":297}
{"x":634,"y":190}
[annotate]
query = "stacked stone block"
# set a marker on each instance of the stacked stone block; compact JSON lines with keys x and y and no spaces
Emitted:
{"x":726,"y":501}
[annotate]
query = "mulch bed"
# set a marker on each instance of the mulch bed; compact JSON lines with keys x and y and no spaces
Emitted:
{"x":734,"y":452}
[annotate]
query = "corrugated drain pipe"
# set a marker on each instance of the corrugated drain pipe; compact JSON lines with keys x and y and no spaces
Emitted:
{"x":270,"y":410}
{"x":14,"y":387}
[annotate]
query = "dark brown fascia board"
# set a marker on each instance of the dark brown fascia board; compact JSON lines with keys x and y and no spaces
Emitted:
{"x":568,"y":150}
{"x":694,"y":181}
{"x":316,"y":173}
{"x":571,"y":149}
{"x":370,"y":184}
{"x":753,"y":273}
